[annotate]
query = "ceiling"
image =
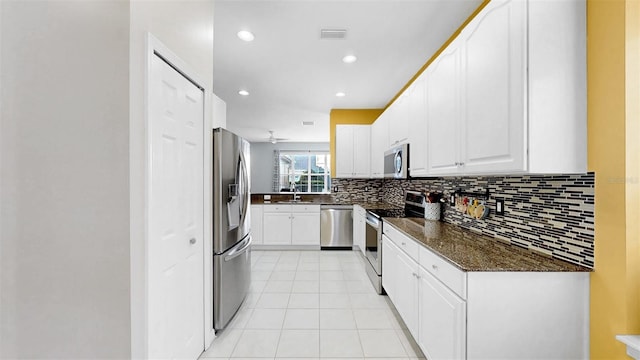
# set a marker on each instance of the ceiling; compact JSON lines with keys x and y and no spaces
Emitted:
{"x":293,"y":76}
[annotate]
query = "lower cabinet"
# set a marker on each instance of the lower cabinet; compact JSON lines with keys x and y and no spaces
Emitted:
{"x":291,"y":225}
{"x":402,"y":280}
{"x":442,"y":319}
{"x":453,"y":314}
{"x":305,"y":228}
{"x":277,"y":228}
{"x":359,"y":227}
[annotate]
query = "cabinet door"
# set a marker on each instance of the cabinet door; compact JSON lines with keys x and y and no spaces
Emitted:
{"x":443,"y":112}
{"x":494,"y":78}
{"x":406,"y":301}
{"x":399,"y":122}
{"x":361,"y":150}
{"x":305,"y":229}
{"x":389,"y":267}
{"x":256,"y":224}
{"x":276,"y":228}
{"x":418,"y":125}
{"x":442,"y":320}
{"x":379,"y":143}
{"x":344,"y":151}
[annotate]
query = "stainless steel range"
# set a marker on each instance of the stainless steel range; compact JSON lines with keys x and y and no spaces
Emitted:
{"x":413,"y":207}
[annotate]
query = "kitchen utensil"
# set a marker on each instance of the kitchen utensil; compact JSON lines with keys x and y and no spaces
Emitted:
{"x":482,"y":211}
{"x":472,"y":208}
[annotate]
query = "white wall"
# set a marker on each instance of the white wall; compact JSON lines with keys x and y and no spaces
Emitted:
{"x":262,"y":161}
{"x":72,"y":150}
{"x":65,"y":170}
{"x":185,"y":27}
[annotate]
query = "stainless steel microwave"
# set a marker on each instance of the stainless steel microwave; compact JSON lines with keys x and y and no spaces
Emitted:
{"x":396,"y":162}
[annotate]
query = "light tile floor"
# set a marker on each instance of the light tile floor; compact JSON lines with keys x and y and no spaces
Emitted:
{"x":312,"y":305}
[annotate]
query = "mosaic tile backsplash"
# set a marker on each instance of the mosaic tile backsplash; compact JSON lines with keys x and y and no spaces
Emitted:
{"x":553,"y":215}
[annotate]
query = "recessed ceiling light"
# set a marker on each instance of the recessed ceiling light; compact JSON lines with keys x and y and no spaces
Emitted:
{"x":349,"y":59}
{"x":243,"y":92}
{"x":246,"y":35}
{"x":340,"y":94}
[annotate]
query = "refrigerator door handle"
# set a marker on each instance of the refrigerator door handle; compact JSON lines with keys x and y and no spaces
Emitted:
{"x":245,"y":188}
{"x":239,"y":251}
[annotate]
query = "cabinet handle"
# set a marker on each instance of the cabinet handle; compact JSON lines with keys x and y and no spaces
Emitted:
{"x":461,"y":164}
{"x":435,"y":267}
{"x":192,"y":241}
{"x":404,"y":243}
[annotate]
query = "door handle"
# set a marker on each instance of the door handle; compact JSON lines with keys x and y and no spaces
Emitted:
{"x":192,"y":241}
{"x":237,"y":252}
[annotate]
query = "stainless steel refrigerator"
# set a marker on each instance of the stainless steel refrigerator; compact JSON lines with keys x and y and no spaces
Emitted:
{"x":231,"y":225}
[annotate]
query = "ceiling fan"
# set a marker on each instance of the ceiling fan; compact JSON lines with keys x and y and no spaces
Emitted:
{"x":273,"y":139}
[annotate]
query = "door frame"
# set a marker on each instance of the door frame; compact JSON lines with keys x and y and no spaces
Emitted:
{"x":139,"y":291}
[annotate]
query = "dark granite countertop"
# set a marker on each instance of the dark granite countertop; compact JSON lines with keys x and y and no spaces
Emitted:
{"x":470,"y":251}
{"x":320,"y":200}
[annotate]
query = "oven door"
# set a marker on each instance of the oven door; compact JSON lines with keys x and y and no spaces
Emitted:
{"x":373,"y":242}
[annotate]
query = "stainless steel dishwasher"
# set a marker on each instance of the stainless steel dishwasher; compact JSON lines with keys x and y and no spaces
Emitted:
{"x":336,"y":227}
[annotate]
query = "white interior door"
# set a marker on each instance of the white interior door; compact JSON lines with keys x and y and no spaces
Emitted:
{"x":176,"y":203}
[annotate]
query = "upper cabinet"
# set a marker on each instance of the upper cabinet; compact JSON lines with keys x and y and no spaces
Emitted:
{"x":507,"y":96}
{"x":398,"y":120}
{"x":417,"y":119}
{"x":492,"y":88}
{"x":443,"y":105}
{"x":353,"y":148}
{"x":379,"y":144}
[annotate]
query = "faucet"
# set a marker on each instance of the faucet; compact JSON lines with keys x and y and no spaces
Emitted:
{"x":296,"y":197}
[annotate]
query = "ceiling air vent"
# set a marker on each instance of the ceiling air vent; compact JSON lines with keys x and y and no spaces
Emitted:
{"x":333,"y":33}
{"x":307,"y":123}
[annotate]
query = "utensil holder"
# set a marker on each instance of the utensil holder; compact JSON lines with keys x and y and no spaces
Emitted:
{"x":432,"y":211}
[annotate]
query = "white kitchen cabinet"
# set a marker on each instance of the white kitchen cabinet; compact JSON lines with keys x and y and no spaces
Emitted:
{"x":418,"y":127}
{"x":361,"y":148}
{"x":493,"y":48}
{"x":379,"y":144}
{"x":407,"y":290}
{"x":291,"y":224}
{"x":389,"y":266}
{"x":443,"y":108}
{"x":277,"y":228}
{"x":305,"y":228}
{"x":353,"y":145}
{"x":454,"y":314}
{"x":401,"y":283}
{"x":509,"y":93}
{"x":359,"y":228}
{"x":442,"y":320}
{"x":344,"y":151}
{"x":256,"y":224}
{"x":398,"y":120}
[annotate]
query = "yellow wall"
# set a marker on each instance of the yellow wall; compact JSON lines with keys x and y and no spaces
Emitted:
{"x":348,"y":116}
{"x":613,"y":145}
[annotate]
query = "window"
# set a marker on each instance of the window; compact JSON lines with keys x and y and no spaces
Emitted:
{"x":308,"y":170}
